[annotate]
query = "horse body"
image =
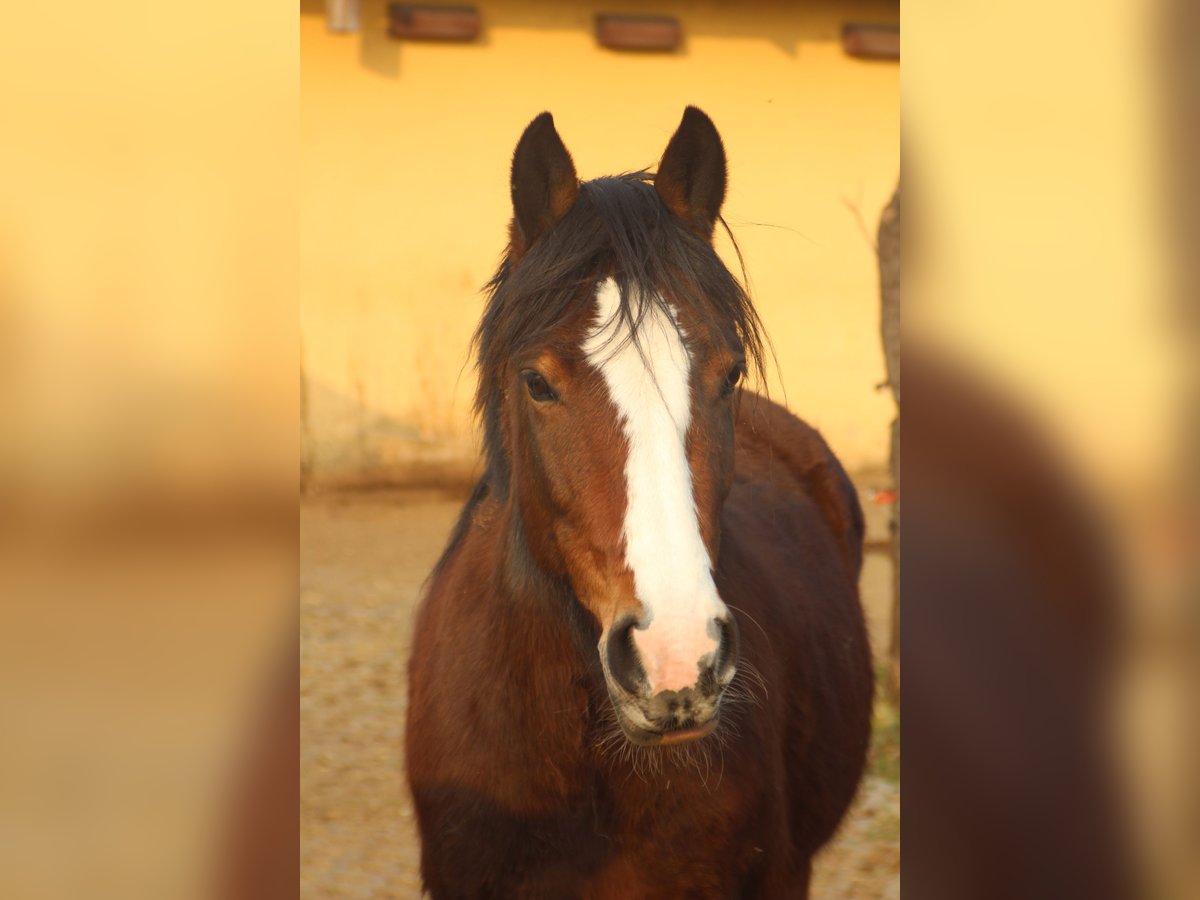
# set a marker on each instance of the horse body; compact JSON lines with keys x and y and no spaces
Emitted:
{"x":528,"y":780}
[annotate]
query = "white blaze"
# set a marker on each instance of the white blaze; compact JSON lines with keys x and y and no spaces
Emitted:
{"x":663,"y":547}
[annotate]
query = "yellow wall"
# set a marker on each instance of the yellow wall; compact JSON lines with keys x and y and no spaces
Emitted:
{"x":404,"y":203}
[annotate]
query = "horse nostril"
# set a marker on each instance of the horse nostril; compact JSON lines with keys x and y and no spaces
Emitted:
{"x":623,"y":663}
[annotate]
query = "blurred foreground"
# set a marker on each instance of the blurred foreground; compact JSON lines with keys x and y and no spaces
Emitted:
{"x":1049,"y":462}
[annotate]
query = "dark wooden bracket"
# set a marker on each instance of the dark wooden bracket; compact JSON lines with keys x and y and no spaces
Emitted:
{"x":871,"y":41}
{"x":646,"y":33}
{"x":408,"y":22}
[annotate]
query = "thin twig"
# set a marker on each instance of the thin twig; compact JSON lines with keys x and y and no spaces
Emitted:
{"x":862,"y":224}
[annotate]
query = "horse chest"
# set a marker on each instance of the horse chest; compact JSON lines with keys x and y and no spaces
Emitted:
{"x":625,"y":838}
{"x":680,"y":835}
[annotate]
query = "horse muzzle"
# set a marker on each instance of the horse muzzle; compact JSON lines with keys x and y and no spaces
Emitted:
{"x":652,"y":717}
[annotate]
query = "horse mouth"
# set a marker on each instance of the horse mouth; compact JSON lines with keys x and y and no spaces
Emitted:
{"x":659,"y":737}
{"x":686,"y":735}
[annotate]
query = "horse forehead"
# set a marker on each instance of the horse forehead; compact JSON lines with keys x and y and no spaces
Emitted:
{"x":658,"y":356}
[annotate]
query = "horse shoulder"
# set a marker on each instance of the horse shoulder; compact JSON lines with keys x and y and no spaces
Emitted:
{"x":777,"y":449}
{"x":792,"y":533}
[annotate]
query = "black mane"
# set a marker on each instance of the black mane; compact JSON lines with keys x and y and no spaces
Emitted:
{"x":617,"y":227}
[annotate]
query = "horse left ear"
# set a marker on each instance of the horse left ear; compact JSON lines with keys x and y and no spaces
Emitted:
{"x":691,"y":176}
{"x":544,"y":184}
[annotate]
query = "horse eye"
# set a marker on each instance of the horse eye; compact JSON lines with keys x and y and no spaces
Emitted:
{"x":538,"y":387}
{"x":734,"y":377}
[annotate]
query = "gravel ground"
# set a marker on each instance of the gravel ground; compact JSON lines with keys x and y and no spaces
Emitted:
{"x":364,"y":557}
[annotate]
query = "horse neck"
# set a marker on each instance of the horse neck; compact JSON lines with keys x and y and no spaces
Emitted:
{"x":539,"y":625}
{"x":511,"y":663}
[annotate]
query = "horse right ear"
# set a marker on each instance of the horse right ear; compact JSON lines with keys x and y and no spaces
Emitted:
{"x":544,"y":184}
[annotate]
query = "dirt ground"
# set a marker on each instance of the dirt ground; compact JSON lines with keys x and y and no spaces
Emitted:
{"x":364,"y":557}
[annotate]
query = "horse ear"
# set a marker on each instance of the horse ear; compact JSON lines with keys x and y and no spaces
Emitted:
{"x":691,"y":176}
{"x":544,"y":184}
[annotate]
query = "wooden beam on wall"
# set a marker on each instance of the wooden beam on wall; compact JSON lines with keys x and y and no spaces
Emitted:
{"x":646,"y":33}
{"x":433,"y":23}
{"x":871,"y":41}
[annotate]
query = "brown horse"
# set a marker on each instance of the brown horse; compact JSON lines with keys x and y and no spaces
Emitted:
{"x":640,"y":669}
